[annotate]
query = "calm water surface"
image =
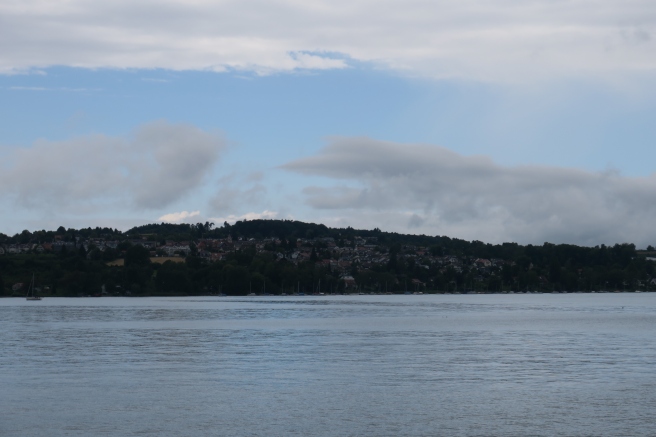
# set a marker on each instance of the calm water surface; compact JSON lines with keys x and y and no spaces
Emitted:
{"x":461,"y":365}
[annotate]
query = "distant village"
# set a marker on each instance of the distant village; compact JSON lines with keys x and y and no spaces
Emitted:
{"x":361,"y":252}
{"x":234,"y":258}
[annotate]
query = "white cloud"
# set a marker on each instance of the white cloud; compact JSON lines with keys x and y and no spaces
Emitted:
{"x":177,"y":217}
{"x":496,"y":40}
{"x":173,"y":159}
{"x":154,"y":167}
{"x":236,"y":193}
{"x":432,"y":190}
{"x":232,"y":218}
{"x":230,"y":197}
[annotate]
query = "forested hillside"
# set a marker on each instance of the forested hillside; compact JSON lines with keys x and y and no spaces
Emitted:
{"x":284,"y":256}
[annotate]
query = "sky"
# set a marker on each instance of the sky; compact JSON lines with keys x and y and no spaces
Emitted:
{"x":524,"y":121}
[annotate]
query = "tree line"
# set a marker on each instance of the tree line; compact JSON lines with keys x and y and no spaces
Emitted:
{"x":89,"y":271}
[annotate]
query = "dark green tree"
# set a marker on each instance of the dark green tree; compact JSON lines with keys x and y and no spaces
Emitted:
{"x":172,"y":278}
{"x":137,"y":256}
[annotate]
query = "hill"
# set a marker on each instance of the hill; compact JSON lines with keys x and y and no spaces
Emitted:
{"x":286,"y":256}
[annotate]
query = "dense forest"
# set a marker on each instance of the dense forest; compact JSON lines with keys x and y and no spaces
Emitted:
{"x":285,"y":256}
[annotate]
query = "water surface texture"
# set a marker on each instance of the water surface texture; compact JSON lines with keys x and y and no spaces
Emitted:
{"x":432,"y":365}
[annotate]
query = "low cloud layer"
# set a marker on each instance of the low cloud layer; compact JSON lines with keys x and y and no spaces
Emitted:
{"x":496,"y":40}
{"x":151,"y":169}
{"x":432,"y":190}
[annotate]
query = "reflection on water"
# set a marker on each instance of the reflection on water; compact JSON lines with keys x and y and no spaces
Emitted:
{"x":345,"y":365}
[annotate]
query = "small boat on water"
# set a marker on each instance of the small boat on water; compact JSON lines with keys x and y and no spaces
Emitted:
{"x":31,"y":292}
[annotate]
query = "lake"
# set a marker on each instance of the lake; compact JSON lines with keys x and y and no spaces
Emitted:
{"x":430,"y":365}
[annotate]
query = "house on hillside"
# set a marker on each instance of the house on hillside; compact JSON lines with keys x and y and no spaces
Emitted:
{"x":482,"y":262}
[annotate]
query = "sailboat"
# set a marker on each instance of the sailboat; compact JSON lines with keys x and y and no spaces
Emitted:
{"x":31,"y":292}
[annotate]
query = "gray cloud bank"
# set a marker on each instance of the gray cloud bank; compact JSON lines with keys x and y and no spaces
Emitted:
{"x":157,"y":165}
{"x":496,"y":40}
{"x":432,"y":190}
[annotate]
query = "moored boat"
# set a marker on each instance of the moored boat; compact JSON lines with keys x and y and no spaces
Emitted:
{"x":31,"y":292}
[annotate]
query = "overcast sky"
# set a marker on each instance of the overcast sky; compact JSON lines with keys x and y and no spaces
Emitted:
{"x":495,"y":120}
